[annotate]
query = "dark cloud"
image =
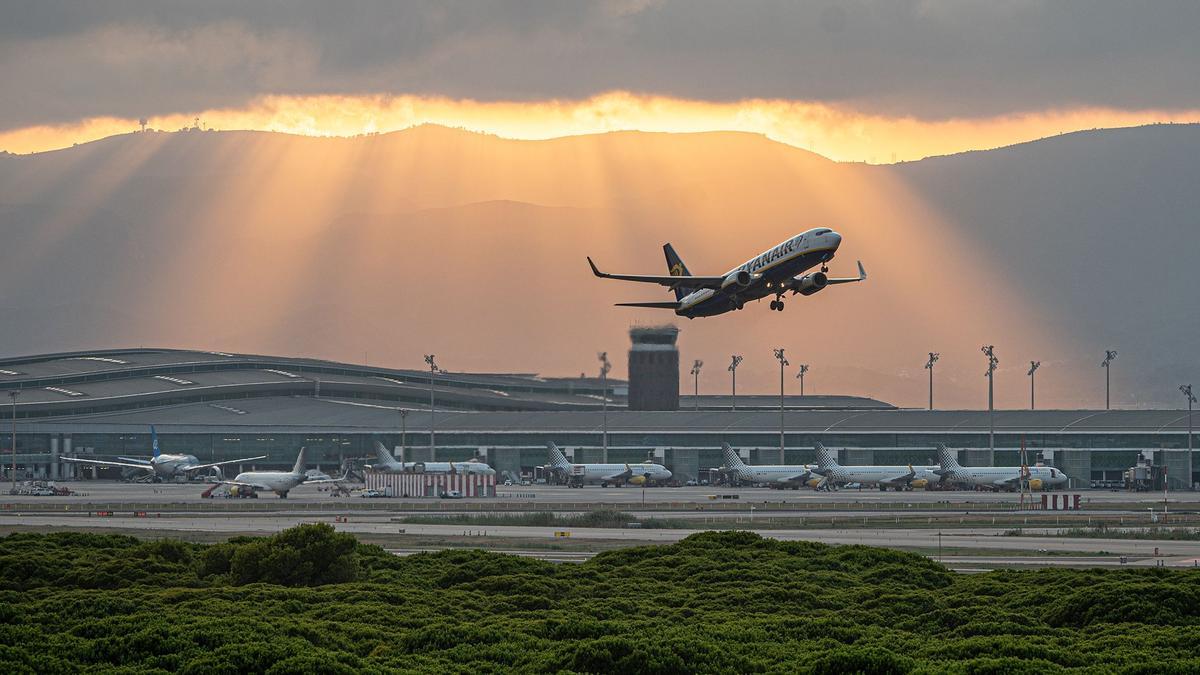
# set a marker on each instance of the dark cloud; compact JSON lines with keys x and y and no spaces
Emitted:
{"x":61,"y":61}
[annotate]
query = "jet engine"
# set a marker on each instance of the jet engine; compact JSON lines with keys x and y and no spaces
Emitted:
{"x":809,"y":283}
{"x":1035,"y":483}
{"x":736,"y":279}
{"x":640,"y":479}
{"x":418,"y":467}
{"x":919,"y":483}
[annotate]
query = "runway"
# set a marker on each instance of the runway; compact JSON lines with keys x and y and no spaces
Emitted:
{"x":181,"y":493}
{"x":925,"y":540}
{"x":977,"y":525}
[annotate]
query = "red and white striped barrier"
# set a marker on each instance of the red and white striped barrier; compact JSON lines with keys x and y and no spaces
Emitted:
{"x":431,"y":484}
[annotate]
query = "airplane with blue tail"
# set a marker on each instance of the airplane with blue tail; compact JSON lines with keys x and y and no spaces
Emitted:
{"x":162,"y":466}
{"x":778,"y":270}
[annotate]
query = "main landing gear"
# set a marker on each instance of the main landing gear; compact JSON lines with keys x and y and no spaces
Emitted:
{"x":777,"y":303}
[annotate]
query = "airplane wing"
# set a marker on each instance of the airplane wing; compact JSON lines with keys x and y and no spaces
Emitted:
{"x":235,"y":483}
{"x":862,"y":276}
{"x":1005,"y":482}
{"x":903,"y":479}
{"x":135,"y":460}
{"x":653,"y":305}
{"x":798,"y":478}
{"x":101,"y":462}
{"x":662,"y":279}
{"x":210,"y":465}
{"x":622,"y":475}
{"x":318,"y":481}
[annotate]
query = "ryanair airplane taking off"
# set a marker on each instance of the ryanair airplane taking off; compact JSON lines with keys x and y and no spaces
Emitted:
{"x":774,"y":272}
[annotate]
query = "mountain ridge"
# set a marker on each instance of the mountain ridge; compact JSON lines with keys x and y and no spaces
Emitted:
{"x":245,"y":240}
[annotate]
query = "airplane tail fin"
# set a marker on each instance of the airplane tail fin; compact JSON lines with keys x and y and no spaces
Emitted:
{"x":826,"y":458}
{"x":947,"y":458}
{"x":299,"y":466}
{"x":732,"y":459}
{"x":383,"y":455}
{"x":557,"y":459}
{"x":676,"y":268}
{"x":154,"y":451}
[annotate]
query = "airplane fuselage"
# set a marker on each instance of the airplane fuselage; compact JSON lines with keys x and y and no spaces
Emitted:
{"x":278,"y":482}
{"x":434,"y":467}
{"x":776,"y":473}
{"x":888,"y":476}
{"x":603,"y":473}
{"x":1007,"y":477}
{"x":769,"y":272}
{"x":170,"y":466}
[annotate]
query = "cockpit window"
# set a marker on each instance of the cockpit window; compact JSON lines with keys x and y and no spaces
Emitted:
{"x":821,"y":231}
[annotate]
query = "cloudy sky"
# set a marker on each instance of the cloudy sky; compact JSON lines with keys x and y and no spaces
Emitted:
{"x":808,"y":73}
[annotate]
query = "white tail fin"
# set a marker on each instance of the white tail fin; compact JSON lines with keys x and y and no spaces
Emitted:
{"x":300,"y":462}
{"x":557,"y":459}
{"x":732,"y":459}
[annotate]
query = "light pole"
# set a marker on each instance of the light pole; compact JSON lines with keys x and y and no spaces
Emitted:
{"x":800,"y":375}
{"x":432,"y":370}
{"x":605,"y":366}
{"x":1033,"y":366}
{"x":13,"y":395}
{"x":1186,"y":389}
{"x":1109,"y":357}
{"x":696,"y":365}
{"x":933,"y":357}
{"x":783,"y":362}
{"x":733,"y":373}
{"x":403,"y":433}
{"x":990,"y":352}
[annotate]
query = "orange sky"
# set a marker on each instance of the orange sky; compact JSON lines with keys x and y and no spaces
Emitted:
{"x":838,"y":133}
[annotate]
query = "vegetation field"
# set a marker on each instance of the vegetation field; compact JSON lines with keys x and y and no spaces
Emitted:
{"x":310,"y":600}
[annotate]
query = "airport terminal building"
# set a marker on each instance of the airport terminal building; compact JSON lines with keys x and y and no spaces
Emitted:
{"x":217,"y":406}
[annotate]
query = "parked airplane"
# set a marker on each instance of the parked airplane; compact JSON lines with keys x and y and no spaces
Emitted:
{"x":896,"y":477}
{"x":162,"y":466}
{"x":577,"y":475}
{"x":279,"y":482}
{"x":778,"y":475}
{"x":997,"y":477}
{"x":774,"y":272}
{"x":387,"y":464}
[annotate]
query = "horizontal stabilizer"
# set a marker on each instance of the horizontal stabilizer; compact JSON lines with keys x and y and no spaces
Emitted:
{"x":652,"y":305}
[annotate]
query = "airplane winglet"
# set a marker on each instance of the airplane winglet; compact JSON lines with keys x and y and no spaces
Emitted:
{"x":595,"y":270}
{"x":862,"y":276}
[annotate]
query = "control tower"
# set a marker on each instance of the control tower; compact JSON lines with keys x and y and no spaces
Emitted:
{"x":653,"y":368}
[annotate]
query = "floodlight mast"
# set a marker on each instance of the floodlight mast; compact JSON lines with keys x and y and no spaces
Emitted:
{"x":1033,"y":366}
{"x":1186,"y":390}
{"x":990,"y":352}
{"x":933,"y":357}
{"x":696,"y":365}
{"x":1109,"y":356}
{"x":800,"y":375}
{"x":783,"y":363}
{"x":605,"y":366}
{"x":433,"y":369}
{"x":13,"y":395}
{"x":403,"y":433}
{"x":736,"y":360}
